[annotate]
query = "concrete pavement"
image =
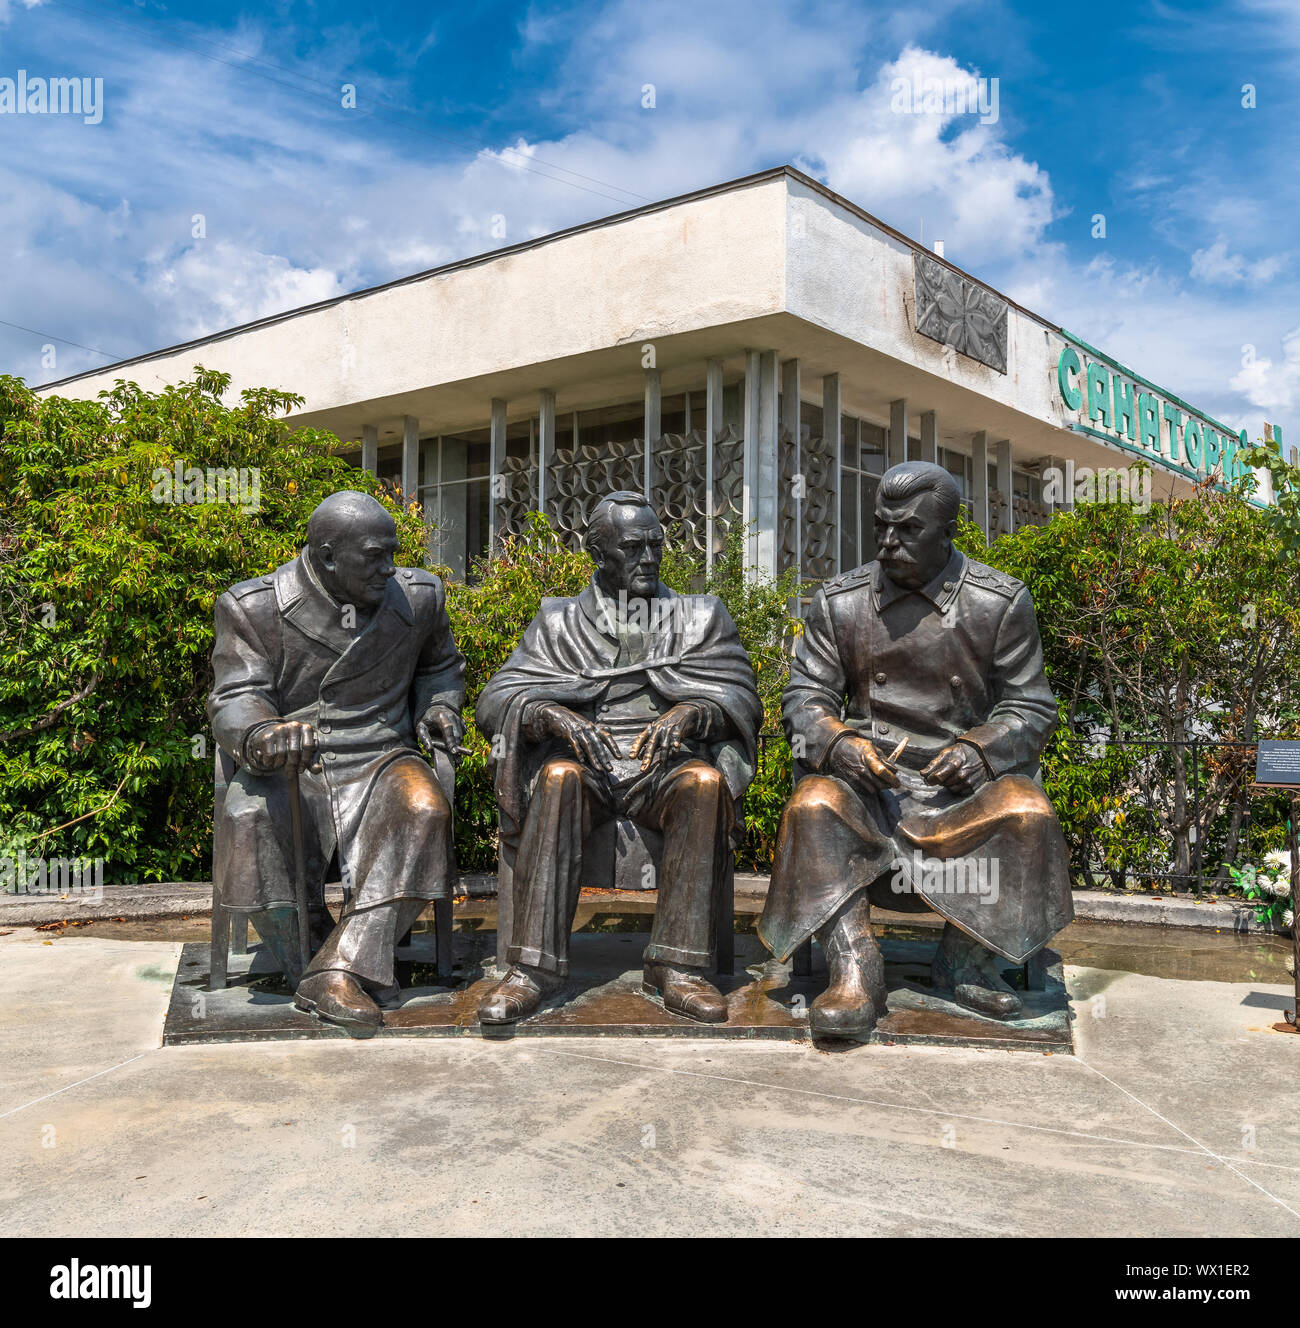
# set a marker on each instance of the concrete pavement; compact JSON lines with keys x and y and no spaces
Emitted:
{"x":1176,"y":1118}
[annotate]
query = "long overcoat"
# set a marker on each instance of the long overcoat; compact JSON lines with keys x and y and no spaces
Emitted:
{"x":959,"y":660}
{"x":282,"y":652}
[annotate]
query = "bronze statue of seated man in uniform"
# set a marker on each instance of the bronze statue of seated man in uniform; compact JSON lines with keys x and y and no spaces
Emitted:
{"x":626,"y":701}
{"x":328,"y":670}
{"x":917,"y":709}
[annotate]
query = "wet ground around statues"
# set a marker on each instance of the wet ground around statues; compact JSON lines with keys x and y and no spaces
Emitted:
{"x":1183,"y":953}
{"x":604,"y":997}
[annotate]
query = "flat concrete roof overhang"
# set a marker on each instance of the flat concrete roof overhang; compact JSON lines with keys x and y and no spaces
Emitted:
{"x":870,"y":380}
{"x":771,"y":262}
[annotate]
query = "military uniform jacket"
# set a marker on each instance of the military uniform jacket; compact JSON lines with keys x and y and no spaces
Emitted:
{"x":960,"y":659}
{"x":282,"y":652}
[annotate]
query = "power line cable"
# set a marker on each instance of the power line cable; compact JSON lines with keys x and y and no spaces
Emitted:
{"x":49,"y":336}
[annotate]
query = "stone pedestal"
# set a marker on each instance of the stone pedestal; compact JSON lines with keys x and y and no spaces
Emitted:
{"x":604,"y":998}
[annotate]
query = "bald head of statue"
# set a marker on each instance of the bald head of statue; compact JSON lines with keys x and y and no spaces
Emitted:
{"x":351,"y":541}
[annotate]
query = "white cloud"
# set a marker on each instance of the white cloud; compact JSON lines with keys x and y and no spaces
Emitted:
{"x":1217,"y":266}
{"x":1273,"y":387}
{"x":6,"y":9}
{"x":222,"y":284}
{"x":945,"y":172}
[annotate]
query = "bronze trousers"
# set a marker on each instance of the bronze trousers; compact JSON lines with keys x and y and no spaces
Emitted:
{"x":693,"y":808}
{"x":835,"y":841}
{"x":365,"y":940}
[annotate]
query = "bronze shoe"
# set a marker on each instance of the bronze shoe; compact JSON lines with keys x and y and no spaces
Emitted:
{"x":516,"y":996}
{"x":684,"y":992}
{"x":971,"y":972}
{"x":857,"y":995}
{"x":336,"y":997}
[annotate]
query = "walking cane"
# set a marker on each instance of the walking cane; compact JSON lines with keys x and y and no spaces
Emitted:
{"x":299,"y":870}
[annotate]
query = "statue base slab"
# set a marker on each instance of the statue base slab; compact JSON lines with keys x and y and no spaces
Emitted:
{"x":603,"y":998}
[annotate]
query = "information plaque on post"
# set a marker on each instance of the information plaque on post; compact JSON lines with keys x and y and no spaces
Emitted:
{"x":1277,"y":765}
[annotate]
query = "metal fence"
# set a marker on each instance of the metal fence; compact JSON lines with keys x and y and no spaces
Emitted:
{"x":1168,"y":814}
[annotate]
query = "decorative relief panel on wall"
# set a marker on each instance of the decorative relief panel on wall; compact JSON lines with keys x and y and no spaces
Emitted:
{"x":516,"y":490}
{"x":959,"y":313}
{"x":577,"y":479}
{"x":576,"y":482}
{"x":816,"y":542}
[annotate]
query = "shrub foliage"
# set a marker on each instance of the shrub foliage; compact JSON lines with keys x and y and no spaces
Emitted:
{"x":1183,"y":620}
{"x":106,"y":600}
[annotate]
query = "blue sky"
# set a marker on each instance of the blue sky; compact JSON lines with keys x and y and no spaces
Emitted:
{"x":534,"y":115}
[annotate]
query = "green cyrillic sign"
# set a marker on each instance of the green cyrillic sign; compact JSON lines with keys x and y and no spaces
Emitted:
{"x":1128,"y":410}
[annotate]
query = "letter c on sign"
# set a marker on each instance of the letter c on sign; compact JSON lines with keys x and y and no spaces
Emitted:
{"x":1067,"y":366}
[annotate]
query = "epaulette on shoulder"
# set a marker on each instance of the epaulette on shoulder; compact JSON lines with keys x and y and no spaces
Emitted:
{"x":989,"y":578}
{"x":851,"y":580}
{"x":417,"y":576}
{"x":245,"y":588}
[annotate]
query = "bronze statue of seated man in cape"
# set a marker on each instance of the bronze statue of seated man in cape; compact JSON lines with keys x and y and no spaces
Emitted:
{"x":625,"y":701}
{"x":917,"y":709}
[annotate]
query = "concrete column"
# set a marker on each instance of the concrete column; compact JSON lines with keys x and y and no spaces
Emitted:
{"x":896,"y":451}
{"x":1002,"y":453}
{"x":545,"y":443}
{"x":653,"y":424}
{"x":749,"y":481}
{"x":979,"y":482}
{"x":1066,"y":501}
{"x":832,"y":420}
{"x":792,"y":423}
{"x":410,"y":459}
{"x":759,"y":512}
{"x":769,"y":475}
{"x":496,"y":468}
{"x":370,"y":449}
{"x":431,"y":495}
{"x":712,"y":427}
{"x":930,"y":437}
{"x":853,"y":445}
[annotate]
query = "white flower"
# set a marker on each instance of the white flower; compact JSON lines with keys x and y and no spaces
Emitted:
{"x":1280,"y":860}
{"x":1288,"y":918}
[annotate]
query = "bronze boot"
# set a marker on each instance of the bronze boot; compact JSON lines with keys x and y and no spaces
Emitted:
{"x":972,"y":972}
{"x":857,"y":995}
{"x":337,"y":997}
{"x":684,"y":991}
{"x":517,"y":995}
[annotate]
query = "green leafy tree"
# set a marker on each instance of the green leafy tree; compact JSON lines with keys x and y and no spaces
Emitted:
{"x":1180,"y":622}
{"x":106,"y":599}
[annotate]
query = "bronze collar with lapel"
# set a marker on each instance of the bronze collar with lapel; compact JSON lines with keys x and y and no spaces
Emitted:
{"x":314,"y":612}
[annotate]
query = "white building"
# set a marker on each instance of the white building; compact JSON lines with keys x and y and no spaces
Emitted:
{"x":777,"y":347}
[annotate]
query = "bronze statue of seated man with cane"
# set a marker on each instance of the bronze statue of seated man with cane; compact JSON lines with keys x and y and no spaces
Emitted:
{"x":327,"y":672}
